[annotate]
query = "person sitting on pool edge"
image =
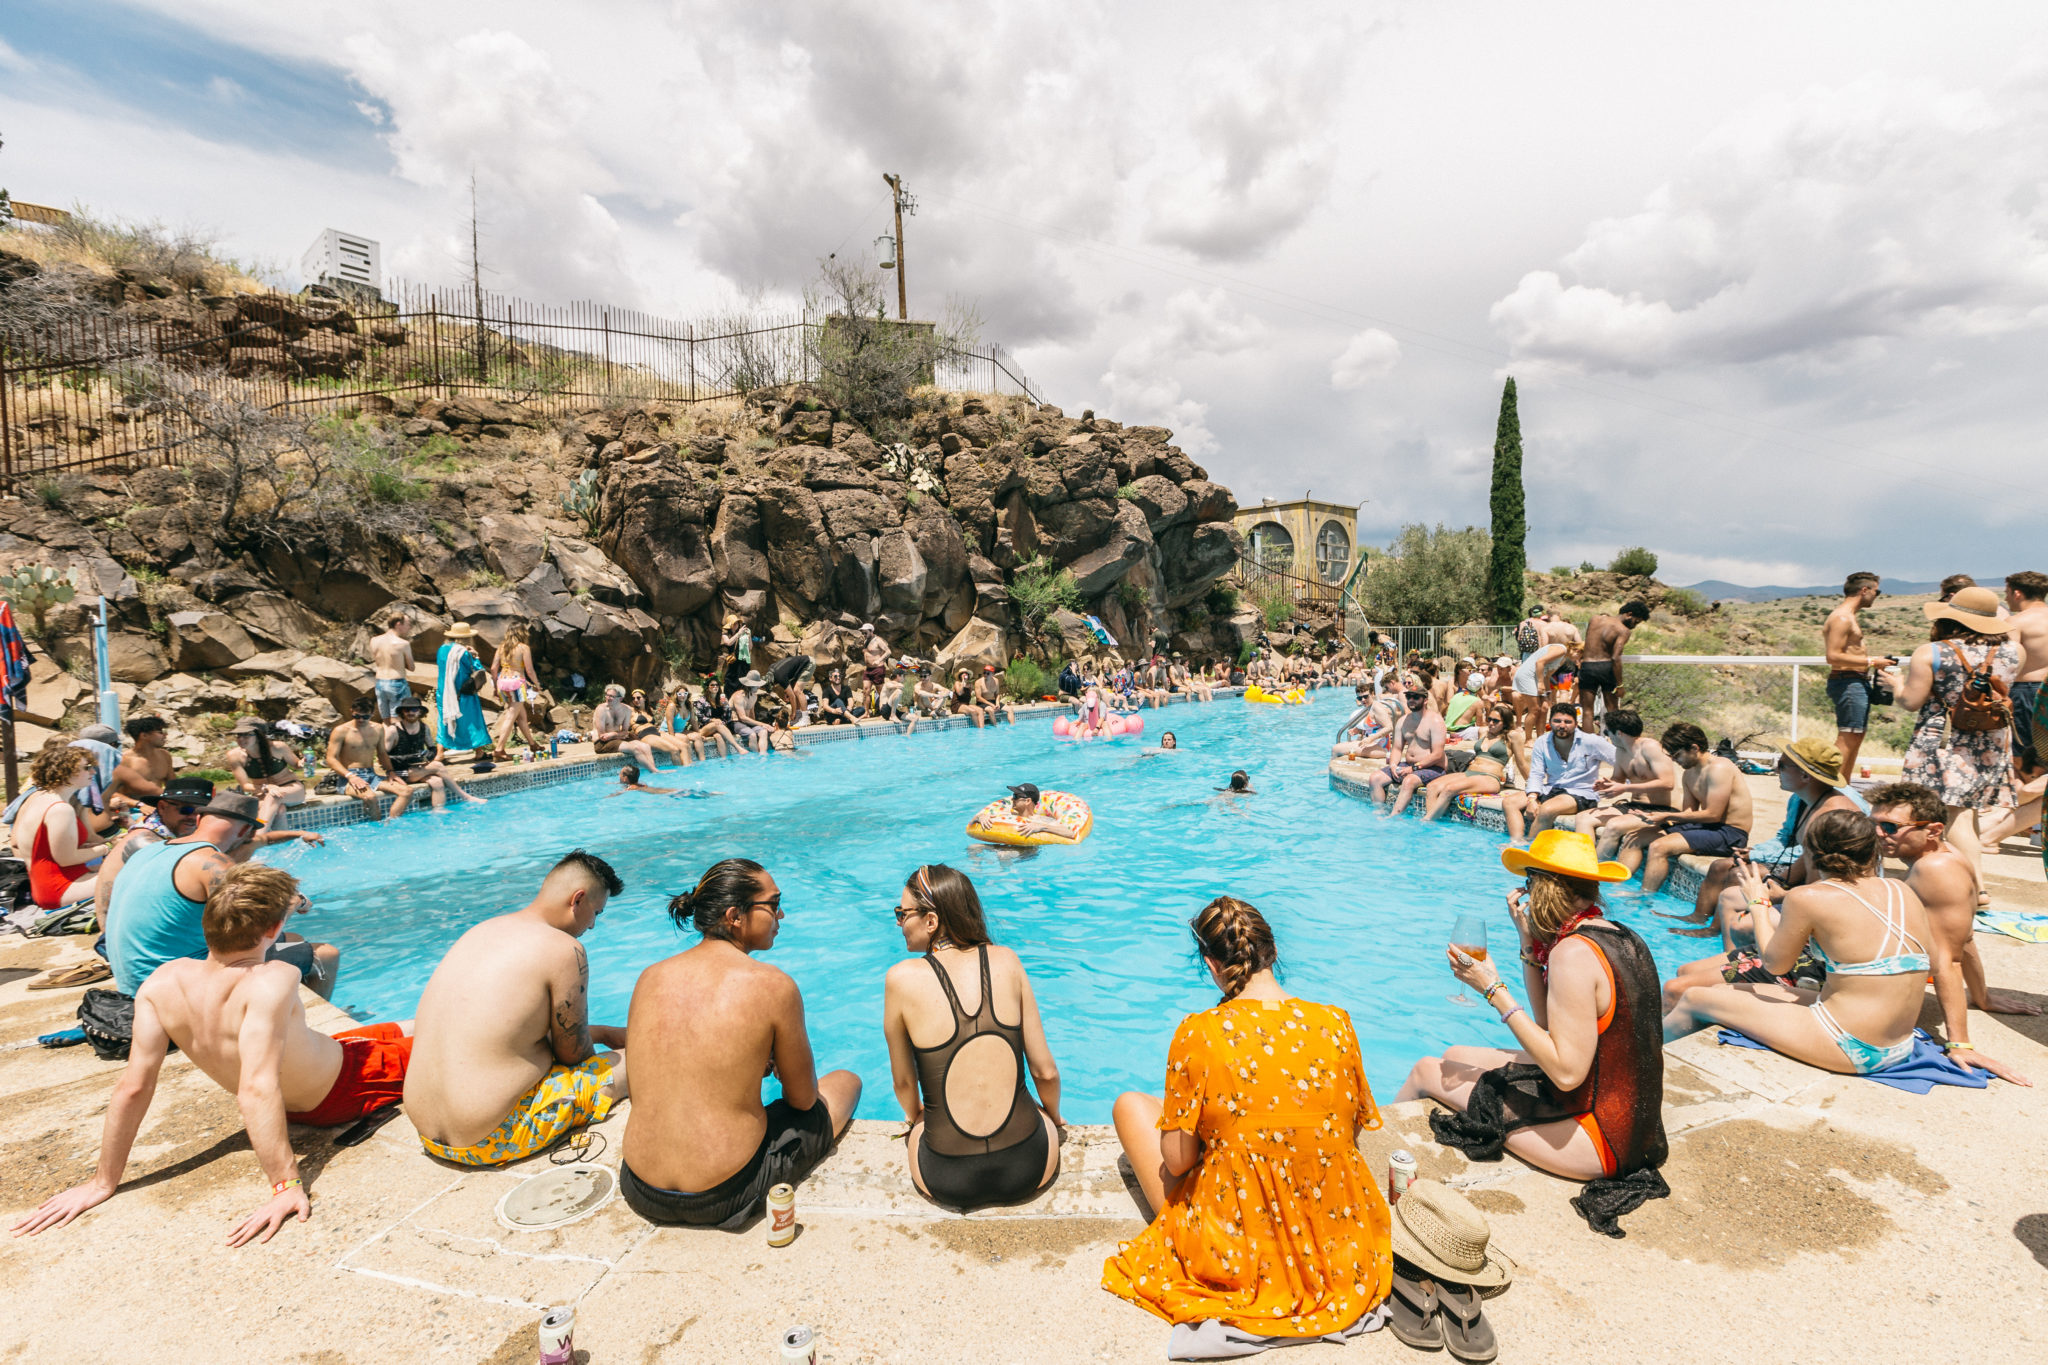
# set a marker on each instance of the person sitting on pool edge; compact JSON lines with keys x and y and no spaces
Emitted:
{"x":237,"y":1014}
{"x":1714,"y":819}
{"x":1582,"y":1097}
{"x":505,"y":1058}
{"x":976,"y":1138}
{"x":416,"y":757}
{"x":708,"y":1024}
{"x":1276,"y":1230}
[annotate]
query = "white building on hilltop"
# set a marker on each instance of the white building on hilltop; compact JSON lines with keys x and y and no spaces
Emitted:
{"x":343,"y":260}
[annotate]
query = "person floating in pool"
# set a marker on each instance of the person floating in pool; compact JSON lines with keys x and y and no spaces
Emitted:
{"x":1167,"y":744}
{"x":1025,"y":814}
{"x":629,"y":781}
{"x":1240,"y":785}
{"x":1092,"y":717}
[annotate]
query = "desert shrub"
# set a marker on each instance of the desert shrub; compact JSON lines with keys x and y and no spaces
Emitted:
{"x":1028,"y":680}
{"x":1635,"y":561}
{"x":1686,"y":602}
{"x":1130,"y":595}
{"x":1430,"y":578}
{"x":865,"y":361}
{"x":1039,"y":588}
{"x":1274,"y":601}
{"x":1222,"y":600}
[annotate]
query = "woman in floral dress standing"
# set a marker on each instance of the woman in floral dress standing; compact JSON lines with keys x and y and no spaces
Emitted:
{"x":1971,"y":769}
{"x":1268,"y":1218}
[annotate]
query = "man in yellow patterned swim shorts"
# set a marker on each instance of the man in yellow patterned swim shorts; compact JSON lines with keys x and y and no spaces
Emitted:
{"x":505,"y":1058}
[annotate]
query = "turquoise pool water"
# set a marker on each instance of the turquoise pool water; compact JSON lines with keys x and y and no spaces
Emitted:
{"x":1360,"y":905}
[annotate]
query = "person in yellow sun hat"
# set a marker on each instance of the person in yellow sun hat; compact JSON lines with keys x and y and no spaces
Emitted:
{"x":1582,"y":1095}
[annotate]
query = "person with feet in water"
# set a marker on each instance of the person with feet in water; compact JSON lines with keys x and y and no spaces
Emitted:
{"x":1713,"y":818}
{"x":707,"y":1025}
{"x":976,"y":1135}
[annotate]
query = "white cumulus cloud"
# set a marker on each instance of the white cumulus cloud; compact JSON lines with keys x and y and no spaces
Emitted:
{"x":1370,"y":355}
{"x":1809,"y":228}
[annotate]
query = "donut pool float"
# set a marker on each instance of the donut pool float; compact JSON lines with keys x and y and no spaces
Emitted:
{"x":993,"y":825}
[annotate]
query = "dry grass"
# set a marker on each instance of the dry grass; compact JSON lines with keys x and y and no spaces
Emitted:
{"x":142,"y":250}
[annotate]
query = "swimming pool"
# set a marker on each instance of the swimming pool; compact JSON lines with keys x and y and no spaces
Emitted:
{"x":1360,"y":905}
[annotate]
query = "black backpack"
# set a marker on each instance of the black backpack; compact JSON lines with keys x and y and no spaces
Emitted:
{"x":108,"y":1021}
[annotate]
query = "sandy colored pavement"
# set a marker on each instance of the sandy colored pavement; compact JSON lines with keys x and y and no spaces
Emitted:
{"x":1813,"y":1218}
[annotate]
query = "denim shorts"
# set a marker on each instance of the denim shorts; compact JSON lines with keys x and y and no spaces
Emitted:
{"x":390,"y":692}
{"x":1850,"y":692}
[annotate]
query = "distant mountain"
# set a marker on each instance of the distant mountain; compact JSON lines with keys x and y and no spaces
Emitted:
{"x":1714,"y":589}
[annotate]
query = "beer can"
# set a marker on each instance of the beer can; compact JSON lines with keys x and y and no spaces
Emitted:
{"x":799,"y":1344}
{"x":1400,"y":1174}
{"x":782,"y":1216}
{"x":557,"y":1336}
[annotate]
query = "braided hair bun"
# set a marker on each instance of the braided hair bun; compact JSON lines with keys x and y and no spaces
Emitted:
{"x":1842,"y":843}
{"x":1235,"y":936}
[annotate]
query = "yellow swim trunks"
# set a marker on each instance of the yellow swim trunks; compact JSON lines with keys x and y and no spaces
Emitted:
{"x":568,"y":1096}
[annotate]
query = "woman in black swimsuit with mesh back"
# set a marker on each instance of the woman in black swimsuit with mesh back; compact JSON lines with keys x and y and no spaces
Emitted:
{"x":963,"y":1029}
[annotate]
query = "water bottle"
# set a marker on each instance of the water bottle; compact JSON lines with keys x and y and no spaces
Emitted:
{"x":555,"y":745}
{"x":306,"y":757}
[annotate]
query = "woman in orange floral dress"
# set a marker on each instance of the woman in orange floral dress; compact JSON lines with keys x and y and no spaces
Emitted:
{"x":1269,"y":1219}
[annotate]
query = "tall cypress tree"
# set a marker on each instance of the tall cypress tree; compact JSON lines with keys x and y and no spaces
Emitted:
{"x":1504,"y":578}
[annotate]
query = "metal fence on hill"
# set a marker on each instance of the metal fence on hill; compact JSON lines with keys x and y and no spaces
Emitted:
{"x":78,"y":396}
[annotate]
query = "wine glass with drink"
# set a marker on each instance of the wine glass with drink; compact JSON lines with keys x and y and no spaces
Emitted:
{"x":1468,"y":936}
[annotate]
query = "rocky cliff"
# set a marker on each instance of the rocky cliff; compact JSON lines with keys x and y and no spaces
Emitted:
{"x":622,"y":536}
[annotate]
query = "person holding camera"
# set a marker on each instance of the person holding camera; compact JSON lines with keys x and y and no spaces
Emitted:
{"x":1960,"y":681}
{"x":1854,"y":677}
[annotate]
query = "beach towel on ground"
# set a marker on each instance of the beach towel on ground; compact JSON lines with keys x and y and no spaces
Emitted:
{"x":1926,"y":1067}
{"x":1210,"y":1339}
{"x":461,"y":715}
{"x":2025,"y":928}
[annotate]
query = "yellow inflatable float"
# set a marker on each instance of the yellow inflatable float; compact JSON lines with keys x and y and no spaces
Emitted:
{"x":1294,"y":696}
{"x":993,"y":824}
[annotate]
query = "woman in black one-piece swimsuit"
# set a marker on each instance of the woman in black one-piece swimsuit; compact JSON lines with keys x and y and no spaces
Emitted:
{"x":976,"y":1137}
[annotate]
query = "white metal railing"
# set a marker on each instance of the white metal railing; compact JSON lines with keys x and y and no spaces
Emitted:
{"x":1677,"y":678}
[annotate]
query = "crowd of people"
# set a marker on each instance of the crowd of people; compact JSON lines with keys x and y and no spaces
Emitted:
{"x":1263,"y":1214}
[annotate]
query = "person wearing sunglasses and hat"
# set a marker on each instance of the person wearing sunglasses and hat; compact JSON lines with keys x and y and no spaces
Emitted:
{"x":1415,"y":748}
{"x":747,"y":727}
{"x":1582,"y":1096}
{"x":416,"y":758}
{"x":988,"y":693}
{"x":1960,"y":682}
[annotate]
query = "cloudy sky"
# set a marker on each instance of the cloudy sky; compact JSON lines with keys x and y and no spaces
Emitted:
{"x":1772,"y":279}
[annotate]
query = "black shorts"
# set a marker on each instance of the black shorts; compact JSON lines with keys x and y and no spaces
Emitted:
{"x":1596,"y":675}
{"x":796,"y":1141}
{"x":1584,"y":802}
{"x":1712,"y":840}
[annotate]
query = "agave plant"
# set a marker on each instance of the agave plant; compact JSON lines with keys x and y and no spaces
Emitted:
{"x":35,"y":588}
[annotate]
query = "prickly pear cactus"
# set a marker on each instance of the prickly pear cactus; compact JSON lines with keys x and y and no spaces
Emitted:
{"x":580,"y":501}
{"x":35,"y":588}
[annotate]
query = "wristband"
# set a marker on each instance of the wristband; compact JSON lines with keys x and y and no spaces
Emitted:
{"x":1957,"y":1047}
{"x":1487,"y":994}
{"x":281,"y":1186}
{"x":1530,"y":961}
{"x":1512,"y":1012}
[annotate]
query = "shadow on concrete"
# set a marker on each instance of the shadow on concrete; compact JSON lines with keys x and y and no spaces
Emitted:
{"x":2032,"y":1231}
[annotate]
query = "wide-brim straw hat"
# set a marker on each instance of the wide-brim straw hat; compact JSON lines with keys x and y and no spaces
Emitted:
{"x":753,"y":680}
{"x":1817,"y":758}
{"x":1976,"y":608}
{"x":1440,"y":1230}
{"x":461,"y":630}
{"x":1564,"y":852}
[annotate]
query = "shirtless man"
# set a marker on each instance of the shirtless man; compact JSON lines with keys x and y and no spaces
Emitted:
{"x":988,"y":690}
{"x":1025,"y":814}
{"x":237,"y":1014}
{"x":1555,"y":630}
{"x":629,"y":782}
{"x":1911,"y":819}
{"x":1713,"y":816}
{"x":1418,"y":739}
{"x":2024,"y":598}
{"x":391,"y":656}
{"x":931,"y":698}
{"x":505,"y":1057}
{"x":356,"y":751}
{"x":701,"y":1149}
{"x":1600,"y":665}
{"x":1849,"y":667}
{"x":146,"y":766}
{"x":613,"y":727}
{"x":874,"y":658}
{"x":1640,"y":784}
{"x":898,"y":701}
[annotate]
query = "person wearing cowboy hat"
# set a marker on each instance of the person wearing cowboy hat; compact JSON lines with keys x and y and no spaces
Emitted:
{"x":264,"y":764}
{"x":1958,"y":681}
{"x":1443,"y":1267}
{"x":459,"y":677}
{"x":1582,"y":1095}
{"x":416,"y":758}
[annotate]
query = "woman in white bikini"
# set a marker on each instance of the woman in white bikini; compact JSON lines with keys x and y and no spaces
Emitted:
{"x":1867,"y":934}
{"x":516,"y":682}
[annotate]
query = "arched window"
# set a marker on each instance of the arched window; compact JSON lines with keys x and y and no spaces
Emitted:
{"x":1272,"y":547}
{"x":1333,"y":553}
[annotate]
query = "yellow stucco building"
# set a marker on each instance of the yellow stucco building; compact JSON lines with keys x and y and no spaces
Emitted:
{"x":1313,"y":540}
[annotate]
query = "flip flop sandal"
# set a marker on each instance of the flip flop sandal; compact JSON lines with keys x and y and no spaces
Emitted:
{"x":81,"y":974}
{"x":1412,"y":1315}
{"x":1467,"y":1333}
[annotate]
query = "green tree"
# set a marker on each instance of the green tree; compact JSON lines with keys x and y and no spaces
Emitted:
{"x":1510,"y":557}
{"x":1635,"y":561}
{"x":1430,"y":578}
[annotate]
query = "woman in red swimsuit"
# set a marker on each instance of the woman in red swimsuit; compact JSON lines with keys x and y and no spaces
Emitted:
{"x":50,"y":835}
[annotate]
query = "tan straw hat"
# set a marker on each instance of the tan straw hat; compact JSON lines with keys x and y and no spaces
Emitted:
{"x":1440,"y":1231}
{"x":461,"y":630}
{"x":1817,"y":758}
{"x":1976,"y":608}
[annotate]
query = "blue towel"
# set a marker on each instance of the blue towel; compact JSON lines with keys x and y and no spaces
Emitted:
{"x":1927,"y":1067}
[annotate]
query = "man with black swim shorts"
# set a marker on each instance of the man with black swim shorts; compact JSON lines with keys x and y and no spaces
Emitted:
{"x":1600,"y":666}
{"x":1713,"y":816}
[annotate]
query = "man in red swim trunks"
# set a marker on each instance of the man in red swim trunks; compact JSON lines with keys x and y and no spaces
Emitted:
{"x":237,"y":1014}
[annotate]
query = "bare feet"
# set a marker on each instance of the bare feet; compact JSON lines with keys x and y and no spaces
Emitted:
{"x":2004,"y":1002}
{"x":1710,"y":931}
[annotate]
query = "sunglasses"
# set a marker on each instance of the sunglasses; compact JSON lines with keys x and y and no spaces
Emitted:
{"x":1894,"y":827}
{"x":186,"y":810}
{"x":902,"y":914}
{"x":773,"y":905}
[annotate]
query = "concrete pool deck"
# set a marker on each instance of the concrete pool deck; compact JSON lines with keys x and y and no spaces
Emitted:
{"x":1812,"y":1216}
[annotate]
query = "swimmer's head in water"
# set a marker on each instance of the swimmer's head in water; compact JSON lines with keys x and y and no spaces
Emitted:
{"x":1167,"y":741}
{"x":629,"y":776}
{"x":1240,"y":781}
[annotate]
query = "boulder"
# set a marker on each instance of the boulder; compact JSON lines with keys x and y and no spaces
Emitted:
{"x":492,"y":611}
{"x":207,"y":639}
{"x":1076,"y":639}
{"x":826,"y":470}
{"x":655,"y":526}
{"x":1085,"y":470}
{"x":850,"y":513}
{"x":794,"y":541}
{"x":937,"y":539}
{"x":737,"y":557}
{"x":978,"y":642}
{"x":1073,"y":529}
{"x":1129,"y":542}
{"x":1208,"y":501}
{"x":543,"y":591}
{"x":832,"y":645}
{"x":338,"y":683}
{"x":512,"y":545}
{"x":1161,"y":500}
{"x":901,"y":573}
{"x":278,"y":663}
{"x":276,"y":619}
{"x":50,"y":698}
{"x":219,"y":583}
{"x":975,"y":479}
{"x":324,"y":353}
{"x":807,"y":428}
{"x":588,"y":573}
{"x":135,"y":658}
{"x":1192,"y":558}
{"x":854,"y":576}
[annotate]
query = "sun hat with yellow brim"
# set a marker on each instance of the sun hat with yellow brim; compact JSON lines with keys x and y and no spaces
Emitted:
{"x":1441,"y":1231}
{"x":1565,"y":852}
{"x":1817,"y":758}
{"x":1976,"y":608}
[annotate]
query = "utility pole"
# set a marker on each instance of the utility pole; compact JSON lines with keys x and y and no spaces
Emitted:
{"x":904,"y":203}
{"x":476,"y":285}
